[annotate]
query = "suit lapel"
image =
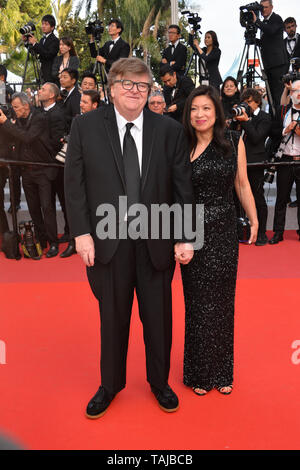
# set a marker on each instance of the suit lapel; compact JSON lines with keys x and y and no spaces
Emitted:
{"x":148,"y":141}
{"x":111,"y":127}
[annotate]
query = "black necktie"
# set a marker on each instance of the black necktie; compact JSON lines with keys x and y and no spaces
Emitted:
{"x":131,"y":167}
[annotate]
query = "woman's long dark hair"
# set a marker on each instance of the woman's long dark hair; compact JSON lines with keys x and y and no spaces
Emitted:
{"x":230,"y":79}
{"x":214,"y":38}
{"x":219,"y":141}
{"x":69,"y":42}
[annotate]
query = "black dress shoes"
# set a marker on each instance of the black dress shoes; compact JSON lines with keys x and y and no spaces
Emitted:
{"x":277,"y":237}
{"x":53,"y":251}
{"x":98,"y":405}
{"x":262,"y":239}
{"x":69,"y":251}
{"x":167,"y":399}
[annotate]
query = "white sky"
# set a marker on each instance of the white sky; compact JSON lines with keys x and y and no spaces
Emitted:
{"x":222,"y":16}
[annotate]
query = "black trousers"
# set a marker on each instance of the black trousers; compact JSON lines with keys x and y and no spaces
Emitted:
{"x":286,"y":176}
{"x":38,"y":189}
{"x":113,"y":285}
{"x":276,"y":86}
{"x":256,"y":180}
{"x":59,"y":189}
{"x":3,"y":218}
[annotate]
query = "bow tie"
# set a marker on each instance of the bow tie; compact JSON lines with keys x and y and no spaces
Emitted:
{"x":291,"y":39}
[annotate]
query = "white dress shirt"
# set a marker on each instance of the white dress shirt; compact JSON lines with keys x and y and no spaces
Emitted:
{"x":136,"y":132}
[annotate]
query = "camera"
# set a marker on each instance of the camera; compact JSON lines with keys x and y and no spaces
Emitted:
{"x":30,"y":245}
{"x":290,"y":77}
{"x":193,"y":19}
{"x":27,"y":29}
{"x":270,"y":173}
{"x":246,"y":12}
{"x":95,"y":28}
{"x":239,"y":109}
{"x":7,"y":110}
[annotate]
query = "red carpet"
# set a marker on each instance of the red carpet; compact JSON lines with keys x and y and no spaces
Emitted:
{"x":50,"y":327}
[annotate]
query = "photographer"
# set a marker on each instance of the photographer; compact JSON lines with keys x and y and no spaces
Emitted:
{"x":71,"y":102}
{"x":176,"y":90}
{"x":256,"y":126}
{"x":47,"y":48}
{"x":288,"y":175}
{"x":176,"y":53}
{"x":31,"y":135}
{"x":112,"y":50}
{"x":273,"y":50}
{"x":287,"y":79}
{"x":8,"y":90}
{"x":211,"y":54}
{"x":292,"y":41}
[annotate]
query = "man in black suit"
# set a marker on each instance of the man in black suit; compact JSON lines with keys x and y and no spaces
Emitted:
{"x":176,"y":90}
{"x":153,"y":170}
{"x":47,"y":49}
{"x":273,"y":50}
{"x":31,"y":135}
{"x":71,"y":101}
{"x":176,"y":53}
{"x":113,"y":49}
{"x":256,"y":128}
{"x":292,"y":41}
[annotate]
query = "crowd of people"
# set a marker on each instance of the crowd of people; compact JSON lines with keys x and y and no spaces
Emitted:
{"x":191,"y":145}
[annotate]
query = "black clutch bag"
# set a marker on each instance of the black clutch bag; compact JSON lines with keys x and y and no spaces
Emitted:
{"x":243,"y":229}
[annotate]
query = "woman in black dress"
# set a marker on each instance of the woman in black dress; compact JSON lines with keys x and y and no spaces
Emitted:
{"x":209,"y":280}
{"x":67,"y":59}
{"x":211,"y":54}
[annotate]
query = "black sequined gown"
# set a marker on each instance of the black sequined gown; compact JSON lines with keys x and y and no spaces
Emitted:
{"x":209,"y":280}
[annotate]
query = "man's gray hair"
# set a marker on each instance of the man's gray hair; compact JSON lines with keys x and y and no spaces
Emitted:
{"x":156,"y":93}
{"x":54,"y":89}
{"x":22,"y":97}
{"x":270,"y":2}
{"x":130,"y":65}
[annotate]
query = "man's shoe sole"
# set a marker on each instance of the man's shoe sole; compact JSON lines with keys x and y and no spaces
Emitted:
{"x":96,"y":416}
{"x":168,"y":410}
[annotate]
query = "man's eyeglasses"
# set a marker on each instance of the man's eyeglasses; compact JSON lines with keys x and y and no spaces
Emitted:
{"x":157,"y":102}
{"x":129,"y":84}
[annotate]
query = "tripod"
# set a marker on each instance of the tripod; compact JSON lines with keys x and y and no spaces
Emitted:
{"x":36,"y":67}
{"x":200,"y":69}
{"x":247,"y":69}
{"x":99,"y":68}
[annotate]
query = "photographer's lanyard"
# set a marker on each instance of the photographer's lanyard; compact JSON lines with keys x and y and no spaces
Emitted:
{"x":287,"y":121}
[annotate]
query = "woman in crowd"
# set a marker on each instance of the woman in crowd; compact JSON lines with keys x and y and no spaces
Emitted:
{"x":218,"y":162}
{"x":67,"y":58}
{"x":230,"y":97}
{"x":211,"y":55}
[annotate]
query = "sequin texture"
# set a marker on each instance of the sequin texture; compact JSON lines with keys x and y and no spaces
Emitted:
{"x":209,"y":280}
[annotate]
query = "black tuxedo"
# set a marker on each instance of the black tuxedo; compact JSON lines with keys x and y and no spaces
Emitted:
{"x":212,"y":63}
{"x":119,"y":50}
{"x":179,"y":56}
{"x":71,"y":108}
{"x":178,"y":95}
{"x":273,"y":53}
{"x":256,"y":132}
{"x":47,"y":50}
{"x":94,"y":175}
{"x":295,"y":52}
{"x":34,"y":145}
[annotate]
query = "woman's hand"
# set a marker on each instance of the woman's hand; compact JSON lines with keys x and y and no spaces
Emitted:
{"x":253,"y":233}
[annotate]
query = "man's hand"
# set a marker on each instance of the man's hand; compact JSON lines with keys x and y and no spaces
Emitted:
{"x":243,"y":117}
{"x":164,"y":61}
{"x":3,"y":118}
{"x":172,"y":108}
{"x":86,"y":249}
{"x":254,"y":16}
{"x":173,"y":62}
{"x":101,"y":59}
{"x":184,"y":252}
{"x":290,"y":127}
{"x":32,"y":40}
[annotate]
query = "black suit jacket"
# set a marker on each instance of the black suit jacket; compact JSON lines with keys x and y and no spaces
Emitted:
{"x":71,"y":108}
{"x":120,"y":49}
{"x":212,"y":63}
{"x":296,"y":51}
{"x":179,"y":56}
{"x":273,"y":49}
{"x":56,"y":125}
{"x":47,"y":52}
{"x":184,"y":87}
{"x":73,"y":64}
{"x":256,"y":132}
{"x":94,"y":175}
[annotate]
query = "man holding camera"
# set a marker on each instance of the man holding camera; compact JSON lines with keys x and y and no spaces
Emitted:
{"x":31,"y":135}
{"x":47,"y":48}
{"x":176,"y":90}
{"x":287,"y":175}
{"x":113,"y":49}
{"x":176,"y":53}
{"x":273,"y":50}
{"x":255,"y":128}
